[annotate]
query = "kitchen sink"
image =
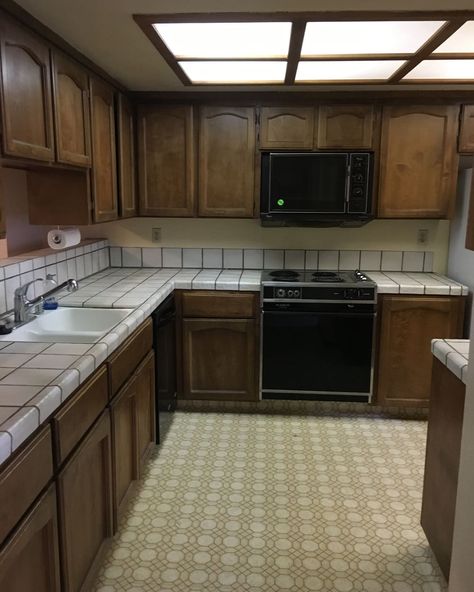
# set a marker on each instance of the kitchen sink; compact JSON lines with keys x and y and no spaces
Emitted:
{"x":69,"y":325}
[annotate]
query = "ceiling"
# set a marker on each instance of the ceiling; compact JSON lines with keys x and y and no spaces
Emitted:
{"x":105,"y":32}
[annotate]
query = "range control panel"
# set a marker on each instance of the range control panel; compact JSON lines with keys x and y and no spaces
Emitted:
{"x":365,"y":293}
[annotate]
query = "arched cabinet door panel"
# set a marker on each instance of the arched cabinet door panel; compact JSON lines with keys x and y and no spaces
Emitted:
{"x":286,"y":127}
{"x":346,"y":126}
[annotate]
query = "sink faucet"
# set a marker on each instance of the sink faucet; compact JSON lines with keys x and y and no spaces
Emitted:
{"x":23,"y":306}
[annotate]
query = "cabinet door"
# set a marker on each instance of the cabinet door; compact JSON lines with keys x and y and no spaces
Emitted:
{"x":71,"y":111}
{"x":408,"y":325}
{"x":345,"y":126}
{"x":470,"y":218}
{"x":26,"y":93}
{"x":227,"y":162}
{"x":126,"y":157}
{"x":466,"y":132}
{"x":219,"y":359}
{"x":124,"y":442}
{"x":286,"y":127}
{"x":85,"y":505}
{"x":166,"y":160}
{"x":418,"y":161}
{"x":145,"y":394}
{"x":29,"y":562}
{"x":104,"y":169}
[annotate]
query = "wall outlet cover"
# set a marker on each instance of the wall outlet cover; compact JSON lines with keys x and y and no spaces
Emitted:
{"x":156,"y":235}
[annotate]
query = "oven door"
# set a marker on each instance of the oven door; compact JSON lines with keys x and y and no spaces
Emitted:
{"x":317,"y":355}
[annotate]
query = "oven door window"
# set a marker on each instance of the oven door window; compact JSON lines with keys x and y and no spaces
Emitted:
{"x":308,"y":183}
{"x":317,"y":352}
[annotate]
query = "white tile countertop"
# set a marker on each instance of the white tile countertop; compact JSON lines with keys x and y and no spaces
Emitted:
{"x":454,"y":354}
{"x":36,"y":378}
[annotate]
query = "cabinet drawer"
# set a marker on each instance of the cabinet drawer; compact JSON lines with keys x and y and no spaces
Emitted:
{"x":125,"y":360}
{"x":72,"y":422}
{"x":22,"y":480}
{"x":223,"y":305}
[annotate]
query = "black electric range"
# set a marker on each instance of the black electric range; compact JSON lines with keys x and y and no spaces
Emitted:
{"x":318,"y":335}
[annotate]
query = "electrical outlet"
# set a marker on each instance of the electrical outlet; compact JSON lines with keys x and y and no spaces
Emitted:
{"x":423,"y":236}
{"x":156,"y":235}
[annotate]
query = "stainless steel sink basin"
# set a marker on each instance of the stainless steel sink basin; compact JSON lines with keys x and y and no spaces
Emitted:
{"x":75,"y":325}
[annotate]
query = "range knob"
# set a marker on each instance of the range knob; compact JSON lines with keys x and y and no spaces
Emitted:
{"x":296,"y":293}
{"x":358,"y":178}
{"x":357,"y":192}
{"x":281,"y":292}
{"x":290,"y":293}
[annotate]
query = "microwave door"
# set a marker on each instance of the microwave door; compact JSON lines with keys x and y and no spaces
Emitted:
{"x":312,"y":183}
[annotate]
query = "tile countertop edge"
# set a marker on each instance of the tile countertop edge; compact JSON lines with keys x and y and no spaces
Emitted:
{"x":30,"y":415}
{"x":454,"y":354}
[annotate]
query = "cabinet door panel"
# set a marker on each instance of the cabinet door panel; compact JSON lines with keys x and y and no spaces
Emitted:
{"x":26,"y":94}
{"x":104,"y":169}
{"x":286,"y":127}
{"x":166,"y":160}
{"x":345,"y":126}
{"x":418,"y":161}
{"x":30,"y":560}
{"x":126,"y":158}
{"x":145,"y":395}
{"x":71,"y":111}
{"x":466,"y":133}
{"x":219,"y":359}
{"x":227,"y":162}
{"x":408,"y":325}
{"x":85,"y":504}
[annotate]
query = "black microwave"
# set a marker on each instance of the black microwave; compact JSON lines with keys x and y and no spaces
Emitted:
{"x":316,"y":188}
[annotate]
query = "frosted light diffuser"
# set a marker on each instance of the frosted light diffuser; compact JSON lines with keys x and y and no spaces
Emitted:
{"x":226,"y":40}
{"x":347,"y":70}
{"x":462,"y":41}
{"x":234,"y":72}
{"x":367,"y":37}
{"x":442,"y":70}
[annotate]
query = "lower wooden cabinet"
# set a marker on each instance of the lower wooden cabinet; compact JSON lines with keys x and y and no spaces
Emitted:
{"x":85,"y":505}
{"x":443,"y":452}
{"x":29,"y":562}
{"x":133,"y":429}
{"x":407,"y":326}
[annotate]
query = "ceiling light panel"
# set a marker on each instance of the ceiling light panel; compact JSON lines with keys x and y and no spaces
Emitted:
{"x":367,"y":37}
{"x":442,"y":70}
{"x":462,"y":41}
{"x":225,"y":40}
{"x":234,"y":72}
{"x":346,"y":70}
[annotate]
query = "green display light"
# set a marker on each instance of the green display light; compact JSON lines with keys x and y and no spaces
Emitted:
{"x":281,"y":202}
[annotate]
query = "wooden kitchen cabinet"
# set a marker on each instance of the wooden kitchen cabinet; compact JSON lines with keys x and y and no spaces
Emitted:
{"x":26,"y":93}
{"x":470,"y":218}
{"x":418,"y":161}
{"x":85,"y":505}
{"x":443,"y":451}
{"x":345,"y":126}
{"x":219,"y":345}
{"x":145,"y":377}
{"x":126,"y":163}
{"x":166,"y":160}
{"x":466,"y":130}
{"x":407,"y":326}
{"x":226,"y":163}
{"x":29,"y":561}
{"x":71,"y":111}
{"x":104,"y":165}
{"x":286,"y":127}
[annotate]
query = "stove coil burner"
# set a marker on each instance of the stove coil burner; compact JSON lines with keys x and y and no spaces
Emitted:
{"x":284,"y":274}
{"x":326,"y":276}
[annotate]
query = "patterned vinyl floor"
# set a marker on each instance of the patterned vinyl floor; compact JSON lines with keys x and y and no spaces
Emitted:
{"x":265,"y":503}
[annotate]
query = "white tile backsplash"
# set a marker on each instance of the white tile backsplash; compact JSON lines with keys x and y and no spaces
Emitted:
{"x":131,"y":257}
{"x":349,"y":260}
{"x":328,"y":260}
{"x":273,"y":258}
{"x":192,"y":258}
{"x":413,"y":261}
{"x":253,"y":259}
{"x":312,"y":258}
{"x":172,"y":257}
{"x":370,"y":260}
{"x":212,"y":258}
{"x":294,"y":259}
{"x":151,"y":257}
{"x":392,"y":260}
{"x":233,"y":258}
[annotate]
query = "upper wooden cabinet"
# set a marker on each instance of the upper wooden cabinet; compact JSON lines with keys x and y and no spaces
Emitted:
{"x":408,"y":325}
{"x":345,"y":126}
{"x":126,"y":157}
{"x":166,"y":160}
{"x":418,"y":161}
{"x":227,"y":162}
{"x":466,"y":130}
{"x":286,"y":127}
{"x":26,"y":93}
{"x":71,"y":111}
{"x":470,"y":218}
{"x":104,"y":168}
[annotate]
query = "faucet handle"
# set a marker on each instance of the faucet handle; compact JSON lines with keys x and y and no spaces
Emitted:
{"x":50,"y":277}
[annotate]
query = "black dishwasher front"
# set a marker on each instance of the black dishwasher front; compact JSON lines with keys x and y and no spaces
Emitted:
{"x":164,"y":343}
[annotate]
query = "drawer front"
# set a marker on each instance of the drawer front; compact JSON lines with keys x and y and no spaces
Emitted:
{"x":22,"y":480}
{"x":223,"y":305}
{"x":73,"y":421}
{"x":123,"y":363}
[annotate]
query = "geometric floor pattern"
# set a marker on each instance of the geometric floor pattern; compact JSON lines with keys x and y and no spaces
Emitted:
{"x":267,"y":503}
